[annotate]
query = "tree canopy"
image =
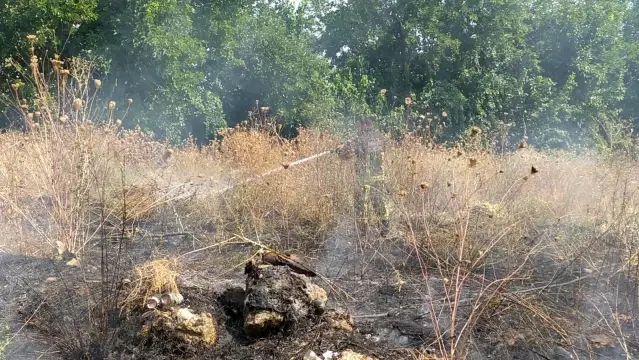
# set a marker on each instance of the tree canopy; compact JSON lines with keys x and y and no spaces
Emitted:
{"x":562,"y":72}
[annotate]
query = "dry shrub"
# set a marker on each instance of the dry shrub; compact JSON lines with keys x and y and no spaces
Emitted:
{"x":191,"y":162}
{"x":253,"y":151}
{"x":154,"y":277}
{"x":486,"y":224}
{"x":438,"y":195}
{"x":52,"y":178}
{"x":296,"y":203}
{"x":132,"y":202}
{"x":72,"y":161}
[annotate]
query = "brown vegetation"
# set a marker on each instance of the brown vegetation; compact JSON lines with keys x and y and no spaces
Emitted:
{"x":484,"y":233}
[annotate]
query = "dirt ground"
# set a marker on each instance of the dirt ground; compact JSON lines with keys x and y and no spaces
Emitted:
{"x":383,"y":288}
{"x":46,"y":291}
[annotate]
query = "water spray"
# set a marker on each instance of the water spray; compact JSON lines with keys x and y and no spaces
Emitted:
{"x":254,"y":178}
{"x":276,"y":170}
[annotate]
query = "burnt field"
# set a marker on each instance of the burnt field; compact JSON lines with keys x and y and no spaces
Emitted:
{"x":485,"y":258}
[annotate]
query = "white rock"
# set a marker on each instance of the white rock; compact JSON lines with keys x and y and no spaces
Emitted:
{"x":310,"y":355}
{"x":329,"y":355}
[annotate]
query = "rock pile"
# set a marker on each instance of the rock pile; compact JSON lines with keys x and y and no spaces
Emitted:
{"x":279,"y":293}
{"x":278,"y":296}
{"x":182,"y":326}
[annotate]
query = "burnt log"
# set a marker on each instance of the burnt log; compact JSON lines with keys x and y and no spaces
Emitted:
{"x":266,"y":257}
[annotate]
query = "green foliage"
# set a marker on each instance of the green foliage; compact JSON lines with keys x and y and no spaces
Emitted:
{"x":277,"y":67}
{"x":554,"y":70}
{"x":155,"y":55}
{"x":52,"y":22}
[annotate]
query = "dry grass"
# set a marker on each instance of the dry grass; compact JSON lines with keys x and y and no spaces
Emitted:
{"x":154,"y":277}
{"x":298,"y":204}
{"x":474,"y":220}
{"x":463,"y":219}
{"x":482,"y":225}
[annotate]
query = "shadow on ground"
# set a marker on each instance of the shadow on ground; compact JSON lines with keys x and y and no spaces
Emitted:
{"x":382,"y":286}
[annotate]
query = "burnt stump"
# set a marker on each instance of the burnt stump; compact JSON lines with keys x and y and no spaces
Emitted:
{"x":278,"y":297}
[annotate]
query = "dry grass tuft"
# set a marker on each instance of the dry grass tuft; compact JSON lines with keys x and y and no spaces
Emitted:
{"x":151,"y":278}
{"x":133,"y":202}
{"x":297,"y":204}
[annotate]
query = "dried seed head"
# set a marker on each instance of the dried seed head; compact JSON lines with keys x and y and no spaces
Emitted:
{"x":444,"y":114}
{"x":474,"y":131}
{"x":97,"y":83}
{"x":37,"y":114}
{"x":14,"y":87}
{"x":130,"y":101}
{"x":408,"y":100}
{"x":118,"y":122}
{"x":57,"y":64}
{"x":31,"y":37}
{"x":63,"y":118}
{"x":30,"y":116}
{"x":77,"y":104}
{"x":383,"y":92}
{"x":523,"y":143}
{"x":111,"y":105}
{"x":24,"y":107}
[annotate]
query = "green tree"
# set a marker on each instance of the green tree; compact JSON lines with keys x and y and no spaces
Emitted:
{"x":274,"y":63}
